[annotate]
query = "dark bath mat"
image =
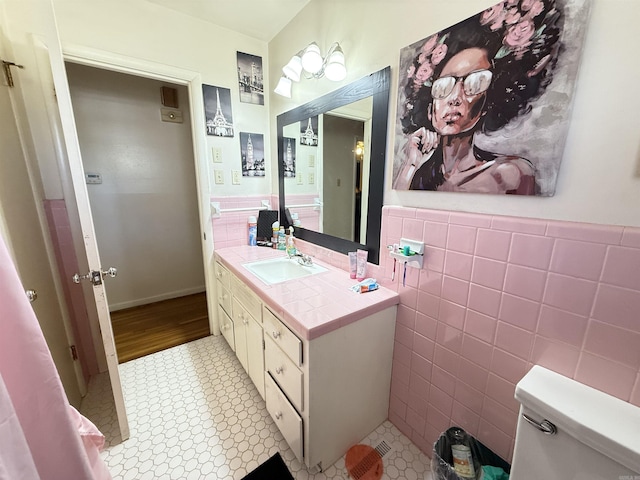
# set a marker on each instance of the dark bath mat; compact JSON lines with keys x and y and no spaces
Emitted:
{"x":272,"y":469}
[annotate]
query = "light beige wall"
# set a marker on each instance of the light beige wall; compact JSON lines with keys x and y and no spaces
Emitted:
{"x":144,"y":31}
{"x":599,"y":178}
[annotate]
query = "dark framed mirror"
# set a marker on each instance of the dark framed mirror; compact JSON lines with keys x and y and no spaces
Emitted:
{"x":331,"y":185}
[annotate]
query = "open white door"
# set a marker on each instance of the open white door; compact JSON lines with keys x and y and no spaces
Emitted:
{"x":96,"y":274}
{"x":22,"y":225}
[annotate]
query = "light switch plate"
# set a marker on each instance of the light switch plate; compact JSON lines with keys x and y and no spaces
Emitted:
{"x":236,"y":175}
{"x":312,"y":179}
{"x":312,"y":160}
{"x":219,"y":177}
{"x":299,"y":178}
{"x":216,"y":153}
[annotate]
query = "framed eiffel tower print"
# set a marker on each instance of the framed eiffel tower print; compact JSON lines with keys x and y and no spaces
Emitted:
{"x":217,"y":111}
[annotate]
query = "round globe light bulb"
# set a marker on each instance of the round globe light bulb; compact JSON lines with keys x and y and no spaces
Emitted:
{"x":312,"y":59}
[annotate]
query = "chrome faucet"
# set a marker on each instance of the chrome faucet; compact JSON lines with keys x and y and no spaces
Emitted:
{"x":303,"y":259}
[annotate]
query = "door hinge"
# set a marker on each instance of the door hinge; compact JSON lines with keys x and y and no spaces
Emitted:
{"x":74,"y":352}
{"x":6,"y":66}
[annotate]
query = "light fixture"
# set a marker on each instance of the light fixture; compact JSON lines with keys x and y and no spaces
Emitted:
{"x":312,"y":59}
{"x":293,"y":69}
{"x":335,"y":69}
{"x":284,"y":87}
{"x":310,"y":62}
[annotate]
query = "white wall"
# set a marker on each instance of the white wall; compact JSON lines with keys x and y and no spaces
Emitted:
{"x":145,"y":211}
{"x":144,"y":31}
{"x":599,"y":178}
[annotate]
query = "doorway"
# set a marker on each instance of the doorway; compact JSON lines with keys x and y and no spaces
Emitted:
{"x":141,"y":181}
{"x":342,"y":179}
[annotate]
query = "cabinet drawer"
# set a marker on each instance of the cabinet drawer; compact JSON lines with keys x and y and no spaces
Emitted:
{"x":223,"y":275}
{"x":226,"y":327}
{"x":247,"y":298}
{"x":284,"y":372}
{"x":283,"y":337}
{"x":285,"y":416}
{"x":224,"y":298}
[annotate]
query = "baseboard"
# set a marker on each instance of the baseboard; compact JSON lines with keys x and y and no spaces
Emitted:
{"x":157,"y":298}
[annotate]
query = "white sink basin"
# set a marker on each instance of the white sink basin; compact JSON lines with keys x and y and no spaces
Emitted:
{"x":281,"y":269}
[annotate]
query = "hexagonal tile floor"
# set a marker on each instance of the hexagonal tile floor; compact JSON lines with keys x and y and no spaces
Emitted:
{"x":195,"y":414}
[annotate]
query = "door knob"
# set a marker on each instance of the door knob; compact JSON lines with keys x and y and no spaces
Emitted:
{"x":111,"y":271}
{"x":32,"y":295}
{"x":95,"y":276}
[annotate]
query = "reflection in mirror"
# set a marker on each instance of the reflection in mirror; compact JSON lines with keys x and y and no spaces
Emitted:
{"x":337,"y":160}
{"x":331,"y":166}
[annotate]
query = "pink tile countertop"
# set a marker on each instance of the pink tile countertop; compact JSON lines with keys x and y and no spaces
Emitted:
{"x":311,"y":306}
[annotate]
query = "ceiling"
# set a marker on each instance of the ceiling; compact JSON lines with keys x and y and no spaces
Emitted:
{"x":261,"y":19}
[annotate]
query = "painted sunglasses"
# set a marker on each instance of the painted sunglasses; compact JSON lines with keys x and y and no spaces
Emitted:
{"x":473,"y":84}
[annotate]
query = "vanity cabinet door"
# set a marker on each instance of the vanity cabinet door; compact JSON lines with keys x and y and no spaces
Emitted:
{"x":255,"y":354}
{"x":240,"y":321}
{"x":226,"y":327}
{"x":247,"y":316}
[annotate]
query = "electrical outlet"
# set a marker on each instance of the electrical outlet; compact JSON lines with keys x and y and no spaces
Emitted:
{"x":312,"y":160}
{"x":312,"y":178}
{"x":235,"y":177}
{"x":219,"y":177}
{"x":299,"y":178}
{"x":217,"y":154}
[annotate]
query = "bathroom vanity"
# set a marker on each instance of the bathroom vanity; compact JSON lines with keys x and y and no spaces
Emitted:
{"x":319,"y":354}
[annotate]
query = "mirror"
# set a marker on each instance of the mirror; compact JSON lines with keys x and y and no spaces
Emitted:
{"x":331,"y":161}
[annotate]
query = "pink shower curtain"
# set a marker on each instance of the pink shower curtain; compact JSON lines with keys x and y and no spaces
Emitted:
{"x":41,"y":436}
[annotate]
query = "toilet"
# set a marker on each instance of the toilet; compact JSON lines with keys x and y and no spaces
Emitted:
{"x":567,"y":430}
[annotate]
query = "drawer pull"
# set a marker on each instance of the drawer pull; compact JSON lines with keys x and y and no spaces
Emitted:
{"x":278,"y":415}
{"x":275,"y":334}
{"x":279,"y":370}
{"x":244,"y":320}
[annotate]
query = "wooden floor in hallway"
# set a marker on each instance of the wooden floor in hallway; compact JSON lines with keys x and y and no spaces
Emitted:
{"x":145,"y":329}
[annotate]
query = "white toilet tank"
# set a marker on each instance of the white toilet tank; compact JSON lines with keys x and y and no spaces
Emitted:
{"x":597,"y":436}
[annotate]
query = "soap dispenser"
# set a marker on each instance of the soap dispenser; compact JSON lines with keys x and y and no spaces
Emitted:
{"x":291,"y":246}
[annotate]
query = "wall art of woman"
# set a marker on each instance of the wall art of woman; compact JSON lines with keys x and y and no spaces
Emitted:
{"x":477,"y":80}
